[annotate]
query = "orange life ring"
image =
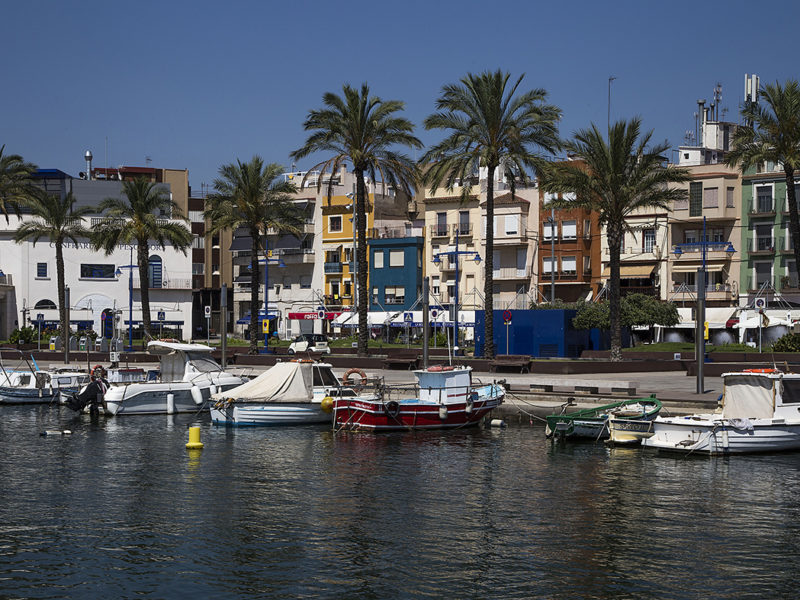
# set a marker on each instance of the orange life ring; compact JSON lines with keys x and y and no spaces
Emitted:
{"x":354,"y":371}
{"x":761,"y":371}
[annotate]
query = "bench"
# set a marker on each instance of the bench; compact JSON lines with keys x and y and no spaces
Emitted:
{"x":516,"y":361}
{"x":583,"y":386}
{"x":405,"y":358}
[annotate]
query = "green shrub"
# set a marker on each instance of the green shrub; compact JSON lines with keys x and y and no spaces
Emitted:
{"x":26,"y":335}
{"x":788,"y":343}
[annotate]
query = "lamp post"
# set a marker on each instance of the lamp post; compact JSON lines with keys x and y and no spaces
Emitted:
{"x":266,"y":261}
{"x":437,"y":260}
{"x":118,"y":272}
{"x":700,"y":313}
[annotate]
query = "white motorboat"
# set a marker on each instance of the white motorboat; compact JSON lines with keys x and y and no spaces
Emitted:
{"x":760,"y":412}
{"x":39,"y":386}
{"x":290,"y":393}
{"x":187,"y":377}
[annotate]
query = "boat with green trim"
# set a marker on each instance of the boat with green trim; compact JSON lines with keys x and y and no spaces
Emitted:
{"x":593,"y":422}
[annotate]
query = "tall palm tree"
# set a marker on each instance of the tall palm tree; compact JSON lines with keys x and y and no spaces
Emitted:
{"x":364,"y":130}
{"x":489,"y":127}
{"x":137,"y":220}
{"x":615,"y":179}
{"x":772,"y":133}
{"x":58,"y":221}
{"x":15,"y":182}
{"x":252,"y":195}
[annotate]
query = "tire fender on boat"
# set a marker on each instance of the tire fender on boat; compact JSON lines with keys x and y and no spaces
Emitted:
{"x":392,"y":408}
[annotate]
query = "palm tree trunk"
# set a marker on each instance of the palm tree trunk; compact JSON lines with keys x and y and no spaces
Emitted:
{"x":614,"y":240}
{"x":361,"y":261}
{"x":143,"y":260}
{"x":255,"y":280}
{"x":62,"y":294}
{"x":488,"y":280}
{"x":794,"y":220}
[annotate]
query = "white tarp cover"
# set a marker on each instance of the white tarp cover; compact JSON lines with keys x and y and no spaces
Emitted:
{"x":748,"y":397}
{"x":285,"y":382}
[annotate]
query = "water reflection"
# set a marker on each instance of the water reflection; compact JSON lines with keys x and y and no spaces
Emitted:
{"x":120,"y":507}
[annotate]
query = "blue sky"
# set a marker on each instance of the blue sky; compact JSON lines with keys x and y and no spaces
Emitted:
{"x":198,"y":84}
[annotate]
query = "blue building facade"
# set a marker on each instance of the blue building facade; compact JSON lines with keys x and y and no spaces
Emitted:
{"x":395,"y":272}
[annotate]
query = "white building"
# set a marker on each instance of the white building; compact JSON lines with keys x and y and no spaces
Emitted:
{"x":98,"y":284}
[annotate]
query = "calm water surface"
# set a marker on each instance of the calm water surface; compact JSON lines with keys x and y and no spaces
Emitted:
{"x":120,"y":509}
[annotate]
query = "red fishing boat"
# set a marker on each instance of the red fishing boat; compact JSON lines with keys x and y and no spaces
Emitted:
{"x":443,"y":397}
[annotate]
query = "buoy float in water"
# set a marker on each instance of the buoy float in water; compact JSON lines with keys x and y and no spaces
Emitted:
{"x":56,"y":432}
{"x":194,"y":439}
{"x":497,"y":423}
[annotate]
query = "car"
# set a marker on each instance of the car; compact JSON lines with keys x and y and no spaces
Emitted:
{"x":310,"y":342}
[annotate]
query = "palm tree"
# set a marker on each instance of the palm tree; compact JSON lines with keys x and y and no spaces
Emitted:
{"x":252,"y":196}
{"x":138,"y":220}
{"x":489,"y":127}
{"x":772,"y":133}
{"x":15,"y":182}
{"x":615,"y":179}
{"x":58,"y":221}
{"x":362,"y":129}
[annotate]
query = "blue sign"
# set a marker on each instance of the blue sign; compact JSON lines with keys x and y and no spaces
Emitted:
{"x":162,"y":315}
{"x":39,"y":317}
{"x":408,"y":317}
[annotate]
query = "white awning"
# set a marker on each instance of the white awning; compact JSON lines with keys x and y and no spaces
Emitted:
{"x":693,"y":268}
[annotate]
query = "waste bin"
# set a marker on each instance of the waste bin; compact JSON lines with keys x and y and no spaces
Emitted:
{"x":55,"y":343}
{"x":73,"y":342}
{"x":82,"y":344}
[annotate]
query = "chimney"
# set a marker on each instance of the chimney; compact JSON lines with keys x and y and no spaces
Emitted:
{"x":88,"y":157}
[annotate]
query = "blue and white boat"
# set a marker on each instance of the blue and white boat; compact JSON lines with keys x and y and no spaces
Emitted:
{"x":39,"y":386}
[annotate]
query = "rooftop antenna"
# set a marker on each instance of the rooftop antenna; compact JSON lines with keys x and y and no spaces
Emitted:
{"x":147,"y":161}
{"x":717,"y":99}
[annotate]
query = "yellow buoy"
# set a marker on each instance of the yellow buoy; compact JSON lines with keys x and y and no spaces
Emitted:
{"x":194,"y":439}
{"x":327,"y":404}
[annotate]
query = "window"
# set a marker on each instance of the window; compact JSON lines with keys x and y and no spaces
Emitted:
{"x":155,"y":270}
{"x":695,"y":199}
{"x":763,"y":199}
{"x":791,"y":274}
{"x":729,"y":202}
{"x":397,"y":258}
{"x":198,"y":268}
{"x":305,"y":282}
{"x":587,"y":264}
{"x":710,"y":199}
{"x":47,"y":304}
{"x":41,"y":270}
{"x":198,"y":241}
{"x":549,"y":229}
{"x":93,"y":271}
{"x":648,"y":240}
{"x":463,"y":223}
{"x":332,"y":256}
{"x":763,"y":240}
{"x":394,"y":294}
{"x":550,"y":196}
{"x":374,"y":295}
{"x":690,"y":236}
{"x":196,"y":216}
{"x":441,"y":224}
{"x":587,"y":229}
{"x":568,"y":265}
{"x":435,"y":285}
{"x":512,"y":225}
{"x":717,"y":235}
{"x":569,"y":230}
{"x":335,"y":289}
{"x":547,"y":264}
{"x":347,"y":289}
{"x":377,"y":259}
{"x":763,"y":273}
{"x":335,"y":223}
{"x":348,"y":254}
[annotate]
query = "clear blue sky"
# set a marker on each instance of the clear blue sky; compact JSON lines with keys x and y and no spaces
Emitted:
{"x":198,"y":84}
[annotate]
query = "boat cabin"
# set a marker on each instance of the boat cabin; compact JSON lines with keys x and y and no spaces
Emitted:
{"x":761,"y":394}
{"x":444,"y":384}
{"x":183,"y":362}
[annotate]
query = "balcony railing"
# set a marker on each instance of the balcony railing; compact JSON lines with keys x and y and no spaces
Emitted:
{"x":166,"y":284}
{"x":439,"y":230}
{"x":511,"y":273}
{"x":333,"y":267}
{"x":697,"y":247}
{"x":462,"y":229}
{"x":762,"y":245}
{"x":762,"y":207}
{"x":711,"y":287}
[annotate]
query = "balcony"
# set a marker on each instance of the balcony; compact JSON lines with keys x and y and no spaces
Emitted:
{"x":763,"y":246}
{"x":694,"y":250}
{"x":762,"y":208}
{"x":333,"y":267}
{"x":789,"y":284}
{"x":462,"y":229}
{"x":714,"y":291}
{"x":509,"y":273}
{"x":439,"y":230}
{"x":636,"y":252}
{"x":511,"y":239}
{"x":296,"y":255}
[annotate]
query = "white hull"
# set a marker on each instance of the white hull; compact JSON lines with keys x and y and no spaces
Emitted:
{"x":711,"y":434}
{"x":248,"y":415}
{"x":629,"y":431}
{"x":153,"y":398}
{"x":27,"y":395}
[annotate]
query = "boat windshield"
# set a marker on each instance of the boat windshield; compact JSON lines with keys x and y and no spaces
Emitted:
{"x":203,"y":362}
{"x":323,"y":376}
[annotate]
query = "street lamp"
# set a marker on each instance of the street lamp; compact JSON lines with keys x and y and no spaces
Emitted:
{"x":118,"y":272}
{"x":456,"y":253}
{"x":700,"y":313}
{"x":266,"y":262}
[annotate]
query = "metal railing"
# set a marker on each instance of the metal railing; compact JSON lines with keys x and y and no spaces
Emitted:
{"x":762,"y":206}
{"x":440,"y":230}
{"x":710,"y":287}
{"x":166,"y":284}
{"x":462,"y":229}
{"x":333,"y":267}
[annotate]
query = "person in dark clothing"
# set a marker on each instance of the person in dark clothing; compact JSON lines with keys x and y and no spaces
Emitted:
{"x":92,"y":393}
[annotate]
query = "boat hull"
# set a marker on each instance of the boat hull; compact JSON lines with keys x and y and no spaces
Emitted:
{"x":10,"y":395}
{"x":629,"y":431}
{"x":593,"y":423}
{"x":711,"y":434}
{"x":379,"y":415}
{"x":152,"y":398}
{"x":275,"y":414}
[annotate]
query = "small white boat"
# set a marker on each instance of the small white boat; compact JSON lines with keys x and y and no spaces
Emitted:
{"x":628,"y":431}
{"x":187,"y":377}
{"x":760,"y":412}
{"x":39,"y":386}
{"x":290,"y":393}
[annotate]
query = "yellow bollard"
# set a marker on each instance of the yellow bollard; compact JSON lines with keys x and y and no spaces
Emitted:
{"x":194,"y":439}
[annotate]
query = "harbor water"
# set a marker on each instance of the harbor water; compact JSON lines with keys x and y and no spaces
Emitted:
{"x":121,"y":509}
